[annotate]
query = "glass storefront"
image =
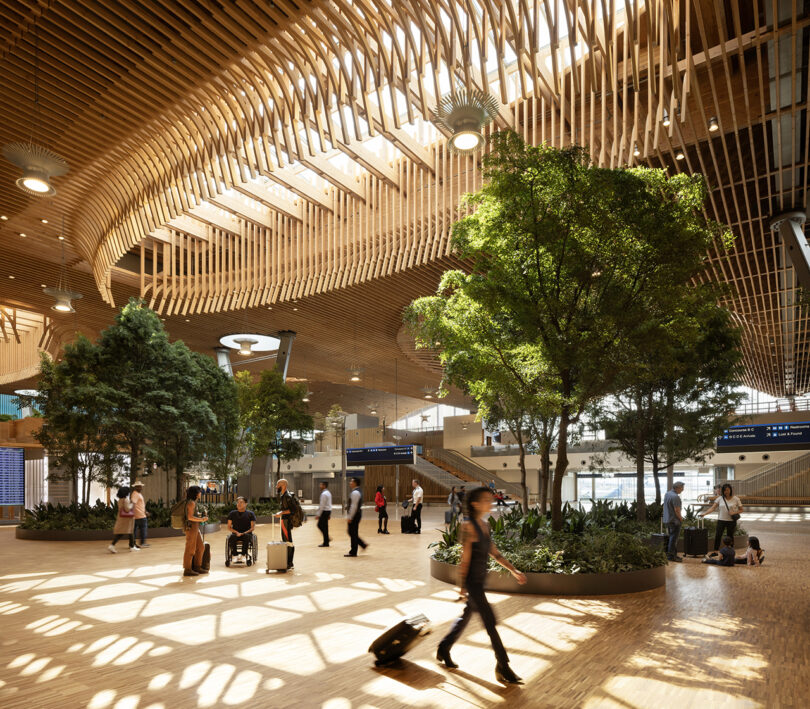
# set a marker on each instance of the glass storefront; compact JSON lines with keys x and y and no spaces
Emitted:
{"x":622,"y":485}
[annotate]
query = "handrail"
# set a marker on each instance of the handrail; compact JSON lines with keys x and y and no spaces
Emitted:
{"x":790,"y":478}
{"x":472,"y":469}
{"x":435,"y":473}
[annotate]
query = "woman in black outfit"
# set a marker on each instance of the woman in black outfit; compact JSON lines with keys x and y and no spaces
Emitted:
{"x":382,"y":513}
{"x":476,"y":549}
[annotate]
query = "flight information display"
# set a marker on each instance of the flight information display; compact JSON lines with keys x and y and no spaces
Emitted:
{"x":12,"y":476}
{"x":766,"y":436}
{"x":380,"y":455}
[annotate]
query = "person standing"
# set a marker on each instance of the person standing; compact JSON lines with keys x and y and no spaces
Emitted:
{"x":477,"y":546}
{"x":673,"y":518}
{"x":124,"y":521}
{"x":729,"y":507}
{"x":324,"y":512}
{"x":355,"y":515}
{"x":193,"y":553}
{"x":454,"y":502}
{"x":285,"y":514}
{"x":416,"y":512}
{"x":141,"y":523}
{"x":381,"y":503}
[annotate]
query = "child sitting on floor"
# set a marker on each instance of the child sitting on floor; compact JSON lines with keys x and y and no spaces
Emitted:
{"x":754,"y":555}
{"x":726,"y":554}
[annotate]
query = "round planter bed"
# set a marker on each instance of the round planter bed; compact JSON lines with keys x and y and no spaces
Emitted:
{"x":740,"y":543}
{"x":93,"y":535}
{"x":562,"y":584}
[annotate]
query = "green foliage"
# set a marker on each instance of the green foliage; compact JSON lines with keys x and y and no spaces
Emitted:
{"x":101,"y":516}
{"x":7,"y":417}
{"x":276,"y":417}
{"x":575,"y":272}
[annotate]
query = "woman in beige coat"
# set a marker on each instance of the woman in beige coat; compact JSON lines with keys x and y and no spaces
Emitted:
{"x":124,"y":521}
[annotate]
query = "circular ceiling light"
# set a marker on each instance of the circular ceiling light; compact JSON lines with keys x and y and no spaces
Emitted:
{"x":679,"y":155}
{"x":464,"y":113}
{"x":38,"y":164}
{"x":248,"y":343}
{"x":63,"y":298}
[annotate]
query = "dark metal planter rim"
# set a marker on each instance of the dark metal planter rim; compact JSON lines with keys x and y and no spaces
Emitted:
{"x":563,"y":584}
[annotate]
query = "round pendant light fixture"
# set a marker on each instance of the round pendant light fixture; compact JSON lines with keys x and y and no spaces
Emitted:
{"x":248,"y":343}
{"x":63,"y":295}
{"x":465,"y":112}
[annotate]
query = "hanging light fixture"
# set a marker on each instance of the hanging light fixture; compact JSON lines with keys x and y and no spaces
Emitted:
{"x":714,"y":125}
{"x":665,"y":121}
{"x":465,"y":112}
{"x":38,"y":163}
{"x":306,"y":396}
{"x":354,"y":373}
{"x":246,"y":345}
{"x":636,"y":151}
{"x":679,"y":155}
{"x":62,"y":294}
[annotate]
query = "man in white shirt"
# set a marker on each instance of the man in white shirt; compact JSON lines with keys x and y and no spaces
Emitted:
{"x":418,"y":495}
{"x":324,"y":512}
{"x":355,"y":513}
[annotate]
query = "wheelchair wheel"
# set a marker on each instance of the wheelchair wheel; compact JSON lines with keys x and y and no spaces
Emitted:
{"x":249,"y":561}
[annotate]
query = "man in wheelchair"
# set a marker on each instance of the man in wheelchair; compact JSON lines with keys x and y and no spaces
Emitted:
{"x":241,"y":525}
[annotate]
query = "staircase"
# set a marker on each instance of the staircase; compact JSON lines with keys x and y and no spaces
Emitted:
{"x":469,"y":471}
{"x":433,"y":472}
{"x":781,"y":483}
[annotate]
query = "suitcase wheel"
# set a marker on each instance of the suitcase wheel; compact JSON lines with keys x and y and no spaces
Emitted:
{"x":227,"y":562}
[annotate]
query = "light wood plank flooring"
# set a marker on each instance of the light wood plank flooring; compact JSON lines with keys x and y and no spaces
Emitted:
{"x":80,"y":627}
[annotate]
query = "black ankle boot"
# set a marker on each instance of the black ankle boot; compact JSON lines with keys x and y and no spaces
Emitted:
{"x":504,"y":674}
{"x":443,"y":655}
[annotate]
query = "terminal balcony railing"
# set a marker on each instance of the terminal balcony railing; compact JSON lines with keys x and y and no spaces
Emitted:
{"x":473,"y":471}
{"x":788,"y":479}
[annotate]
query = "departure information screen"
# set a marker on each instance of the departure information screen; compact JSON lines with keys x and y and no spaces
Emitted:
{"x":380,"y":455}
{"x":766,"y":436}
{"x":12,"y":476}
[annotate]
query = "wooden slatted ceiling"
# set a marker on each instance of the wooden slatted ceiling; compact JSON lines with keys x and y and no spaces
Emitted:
{"x":168,"y":111}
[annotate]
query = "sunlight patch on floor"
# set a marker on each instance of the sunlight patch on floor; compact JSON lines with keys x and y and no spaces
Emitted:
{"x":295,"y":654}
{"x":628,"y":691}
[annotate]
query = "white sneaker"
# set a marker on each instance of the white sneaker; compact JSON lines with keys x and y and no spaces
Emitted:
{"x":134,"y":548}
{"x":112,"y":549}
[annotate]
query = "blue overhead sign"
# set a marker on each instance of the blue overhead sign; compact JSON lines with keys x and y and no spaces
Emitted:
{"x":768,"y":436}
{"x":12,"y":476}
{"x":380,"y":455}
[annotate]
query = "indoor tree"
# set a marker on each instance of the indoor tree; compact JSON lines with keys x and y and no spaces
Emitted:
{"x":585,"y":263}
{"x":276,"y":418}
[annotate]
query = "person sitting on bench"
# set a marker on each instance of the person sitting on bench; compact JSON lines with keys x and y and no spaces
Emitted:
{"x":241,"y":524}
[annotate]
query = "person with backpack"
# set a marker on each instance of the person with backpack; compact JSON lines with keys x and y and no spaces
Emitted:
{"x":192,"y":519}
{"x":290,"y":515}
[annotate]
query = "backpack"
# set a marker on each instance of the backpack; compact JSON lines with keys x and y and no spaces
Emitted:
{"x":179,"y":514}
{"x":296,"y":511}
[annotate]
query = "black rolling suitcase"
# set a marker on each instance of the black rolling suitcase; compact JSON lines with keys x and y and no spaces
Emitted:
{"x":406,"y":524}
{"x":659,"y":541}
{"x":400,"y":638}
{"x":696,"y":540}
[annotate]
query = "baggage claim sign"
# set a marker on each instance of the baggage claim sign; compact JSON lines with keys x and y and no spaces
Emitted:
{"x":765,"y":437}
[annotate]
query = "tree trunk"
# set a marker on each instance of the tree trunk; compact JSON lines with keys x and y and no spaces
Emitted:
{"x":75,"y":485}
{"x":178,"y":481}
{"x":641,"y":505}
{"x":559,"y":471}
{"x":134,"y":460}
{"x":656,"y":478}
{"x":545,"y":467}
{"x":522,"y":463}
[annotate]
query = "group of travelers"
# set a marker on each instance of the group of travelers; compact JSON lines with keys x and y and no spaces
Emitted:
{"x":729,"y":509}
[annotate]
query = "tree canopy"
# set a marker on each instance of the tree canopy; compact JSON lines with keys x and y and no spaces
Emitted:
{"x":581,"y":266}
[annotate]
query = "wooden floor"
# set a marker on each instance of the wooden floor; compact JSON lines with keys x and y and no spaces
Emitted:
{"x":80,"y":627}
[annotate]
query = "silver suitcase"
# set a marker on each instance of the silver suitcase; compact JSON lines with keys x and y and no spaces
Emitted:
{"x":276,"y":552}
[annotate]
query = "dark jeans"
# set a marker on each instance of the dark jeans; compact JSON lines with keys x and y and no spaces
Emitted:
{"x":323,"y":525}
{"x":477,"y":602}
{"x":354,"y":535}
{"x":674,"y":530}
{"x":499,"y":501}
{"x":382,"y":515}
{"x":116,"y":537}
{"x":417,"y":517}
{"x":239,"y":544}
{"x":723,"y":529}
{"x":141,"y":525}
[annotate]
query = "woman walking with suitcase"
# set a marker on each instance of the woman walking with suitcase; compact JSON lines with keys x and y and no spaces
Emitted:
{"x":477,"y":547}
